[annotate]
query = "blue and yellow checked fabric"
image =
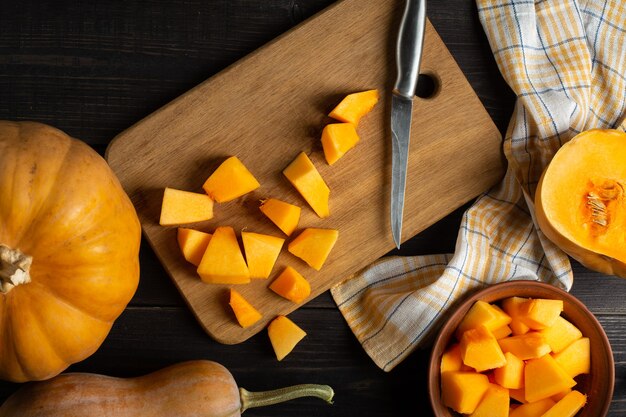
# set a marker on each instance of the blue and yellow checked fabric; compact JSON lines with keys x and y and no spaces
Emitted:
{"x":566,"y":62}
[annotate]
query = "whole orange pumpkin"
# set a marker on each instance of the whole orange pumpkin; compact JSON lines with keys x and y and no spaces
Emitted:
{"x":69,"y":244}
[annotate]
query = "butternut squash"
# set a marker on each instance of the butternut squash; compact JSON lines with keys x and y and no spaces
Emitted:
{"x":188,"y":389}
{"x":580,"y":203}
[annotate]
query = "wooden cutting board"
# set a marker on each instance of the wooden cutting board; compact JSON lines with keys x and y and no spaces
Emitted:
{"x":270,"y":106}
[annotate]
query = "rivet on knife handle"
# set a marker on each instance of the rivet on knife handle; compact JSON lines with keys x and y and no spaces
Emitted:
{"x":408,"y":57}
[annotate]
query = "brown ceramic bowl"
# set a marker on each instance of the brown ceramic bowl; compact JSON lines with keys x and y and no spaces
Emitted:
{"x":598,"y":385}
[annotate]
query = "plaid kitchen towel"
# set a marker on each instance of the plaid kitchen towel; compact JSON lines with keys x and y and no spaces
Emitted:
{"x":566,"y":63}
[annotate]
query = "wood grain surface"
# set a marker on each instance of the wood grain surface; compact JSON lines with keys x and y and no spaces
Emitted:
{"x":95,"y":68}
{"x":272,"y":105}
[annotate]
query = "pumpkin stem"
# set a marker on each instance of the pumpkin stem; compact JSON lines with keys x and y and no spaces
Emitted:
{"x":263,"y":398}
{"x":14,"y":267}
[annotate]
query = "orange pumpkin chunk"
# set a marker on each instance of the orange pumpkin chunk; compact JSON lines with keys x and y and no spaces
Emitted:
{"x":495,"y":403}
{"x":568,"y":406}
{"x":502,"y":332}
{"x":223,"y":262}
{"x":291,"y":285}
{"x":181,"y":207}
{"x":307,"y":180}
{"x":576,"y":358}
{"x":284,"y":215}
{"x":544,"y":377}
{"x":534,"y":409}
{"x":230,"y":180}
{"x":526,"y":346}
{"x":462,"y":391}
{"x":193,"y":244}
{"x":245,"y":313}
{"x":482,"y":314}
{"x":337,"y":139}
{"x":480,"y":350}
{"x":519,"y":394}
{"x":511,"y":307}
{"x":561,"y":334}
{"x":511,"y":375}
{"x":314,"y":245}
{"x":451,"y":360}
{"x":540,"y":313}
{"x":284,"y":335}
{"x":261,"y":253}
{"x":354,"y":106}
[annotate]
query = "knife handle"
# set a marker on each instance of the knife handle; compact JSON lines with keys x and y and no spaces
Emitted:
{"x":409,"y":47}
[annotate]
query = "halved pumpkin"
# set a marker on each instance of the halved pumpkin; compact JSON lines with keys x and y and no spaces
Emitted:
{"x":580,"y":203}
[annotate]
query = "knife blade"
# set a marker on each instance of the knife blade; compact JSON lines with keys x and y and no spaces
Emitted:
{"x":408,"y":58}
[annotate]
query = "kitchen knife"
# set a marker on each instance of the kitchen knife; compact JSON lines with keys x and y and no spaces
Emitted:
{"x":408,"y":57}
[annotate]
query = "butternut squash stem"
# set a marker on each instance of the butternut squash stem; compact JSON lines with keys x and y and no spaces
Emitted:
{"x":14,"y":268}
{"x":263,"y":398}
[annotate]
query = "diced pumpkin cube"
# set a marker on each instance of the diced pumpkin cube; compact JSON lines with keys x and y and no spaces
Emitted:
{"x":576,"y":358}
{"x":284,"y":215}
{"x":261,"y":253}
{"x":291,"y":285}
{"x":354,"y":106}
{"x":568,"y":406}
{"x":495,"y":403}
{"x":307,"y":180}
{"x":511,"y":375}
{"x":544,"y":377}
{"x":502,"y":332}
{"x":245,"y":313}
{"x":534,"y":409}
{"x":193,"y":244}
{"x":480,"y":350}
{"x":182,"y":207}
{"x":223,"y":262}
{"x":337,"y":139}
{"x":482,"y":314}
{"x":540,"y":313}
{"x":518,"y":394}
{"x":526,"y":346}
{"x":462,"y":391}
{"x":561,"y":334}
{"x":511,"y":307}
{"x":284,"y":335}
{"x":314,"y":245}
{"x":451,"y":360}
{"x":230,"y":180}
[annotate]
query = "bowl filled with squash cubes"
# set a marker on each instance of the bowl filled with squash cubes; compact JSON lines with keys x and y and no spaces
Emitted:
{"x":521,"y":349}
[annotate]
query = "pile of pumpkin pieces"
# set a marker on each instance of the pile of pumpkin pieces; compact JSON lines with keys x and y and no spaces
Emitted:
{"x":218,"y":256}
{"x":517,"y":360}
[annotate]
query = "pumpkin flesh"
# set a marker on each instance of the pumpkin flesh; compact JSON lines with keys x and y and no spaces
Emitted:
{"x":61,"y":205}
{"x":580,"y":202}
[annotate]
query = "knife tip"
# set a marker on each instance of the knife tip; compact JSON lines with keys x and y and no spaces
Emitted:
{"x":396,"y":239}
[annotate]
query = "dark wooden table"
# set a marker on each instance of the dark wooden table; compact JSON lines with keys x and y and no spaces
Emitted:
{"x":92,"y":68}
